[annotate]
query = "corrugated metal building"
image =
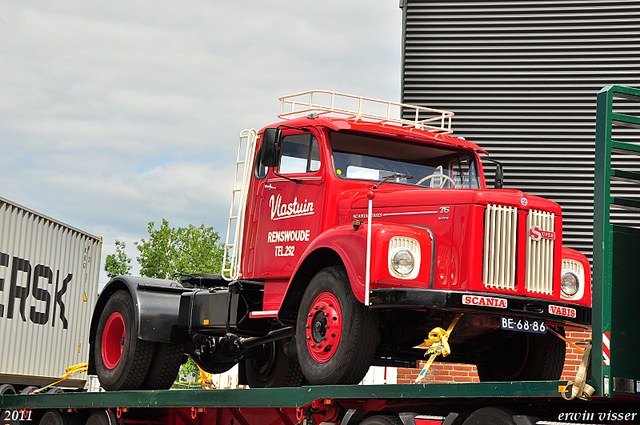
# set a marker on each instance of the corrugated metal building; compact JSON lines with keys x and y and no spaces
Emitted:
{"x":522,"y":77}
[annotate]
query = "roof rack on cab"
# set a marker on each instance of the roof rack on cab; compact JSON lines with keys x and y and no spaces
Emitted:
{"x":323,"y":102}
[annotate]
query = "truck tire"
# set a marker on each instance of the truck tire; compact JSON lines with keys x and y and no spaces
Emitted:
{"x":490,"y":416}
{"x":7,"y":389}
{"x":336,"y":335}
{"x":57,"y":417}
{"x":526,"y":357}
{"x":102,"y":417}
{"x":28,"y":390}
{"x":164,"y":367}
{"x":269,"y":367}
{"x":53,"y":417}
{"x":122,"y":360}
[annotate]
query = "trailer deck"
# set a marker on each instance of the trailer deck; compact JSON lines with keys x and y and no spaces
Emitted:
{"x":441,"y":403}
{"x":281,"y":397}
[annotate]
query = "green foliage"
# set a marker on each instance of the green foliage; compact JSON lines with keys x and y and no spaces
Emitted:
{"x":119,"y":263}
{"x":179,"y":250}
{"x":190,"y":371}
{"x":169,"y":251}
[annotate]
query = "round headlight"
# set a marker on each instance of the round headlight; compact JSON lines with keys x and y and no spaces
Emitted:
{"x":403,"y":262}
{"x":570,"y":284}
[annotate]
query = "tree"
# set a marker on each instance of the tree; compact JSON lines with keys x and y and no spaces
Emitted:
{"x":170,"y":251}
{"x":184,"y":250}
{"x":118,"y":263}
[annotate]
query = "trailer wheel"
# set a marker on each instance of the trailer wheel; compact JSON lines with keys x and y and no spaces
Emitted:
{"x":122,"y":360}
{"x":336,"y":335}
{"x":526,"y":357}
{"x":28,"y":390}
{"x":53,"y":417}
{"x":268,"y":366}
{"x":102,"y":417}
{"x":56,"y":417}
{"x":382,"y":420}
{"x":164,"y":367}
{"x":7,"y":389}
{"x":489,"y":416}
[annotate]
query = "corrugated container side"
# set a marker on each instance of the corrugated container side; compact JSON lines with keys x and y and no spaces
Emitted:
{"x":48,"y":286}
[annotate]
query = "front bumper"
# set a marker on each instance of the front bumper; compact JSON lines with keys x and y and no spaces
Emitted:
{"x":507,"y":305}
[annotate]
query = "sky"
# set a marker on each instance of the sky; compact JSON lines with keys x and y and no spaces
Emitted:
{"x":116,"y":114}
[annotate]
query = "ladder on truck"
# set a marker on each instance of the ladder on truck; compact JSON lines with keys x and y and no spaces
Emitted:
{"x":235,"y":225}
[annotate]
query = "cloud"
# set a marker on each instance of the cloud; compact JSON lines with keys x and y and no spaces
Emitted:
{"x":120,"y":113}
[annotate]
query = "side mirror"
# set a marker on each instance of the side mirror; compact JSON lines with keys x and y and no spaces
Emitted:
{"x":269,"y":153}
{"x":499,"y":176}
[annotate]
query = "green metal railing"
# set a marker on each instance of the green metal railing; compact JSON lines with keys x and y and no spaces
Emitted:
{"x":616,"y":259}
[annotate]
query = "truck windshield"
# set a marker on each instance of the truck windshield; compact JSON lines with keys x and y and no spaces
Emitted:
{"x":363,"y":157}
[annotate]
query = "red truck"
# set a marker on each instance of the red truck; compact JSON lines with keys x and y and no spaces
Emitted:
{"x":356,"y":234}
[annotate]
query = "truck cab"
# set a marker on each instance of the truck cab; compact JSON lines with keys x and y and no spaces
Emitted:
{"x":353,"y":235}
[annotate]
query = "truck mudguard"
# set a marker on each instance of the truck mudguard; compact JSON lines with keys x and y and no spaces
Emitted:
{"x":348,"y":244}
{"x":157,"y":304}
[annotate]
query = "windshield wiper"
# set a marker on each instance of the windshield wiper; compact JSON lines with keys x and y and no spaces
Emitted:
{"x":461,"y":173}
{"x":392,"y":176}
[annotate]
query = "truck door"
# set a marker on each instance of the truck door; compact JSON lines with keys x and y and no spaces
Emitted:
{"x":290,"y":205}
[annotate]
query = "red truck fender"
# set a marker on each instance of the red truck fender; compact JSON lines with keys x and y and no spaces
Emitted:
{"x":347,"y":245}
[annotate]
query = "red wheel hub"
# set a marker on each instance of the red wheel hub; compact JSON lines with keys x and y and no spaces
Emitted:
{"x":323,"y":327}
{"x":113,"y":340}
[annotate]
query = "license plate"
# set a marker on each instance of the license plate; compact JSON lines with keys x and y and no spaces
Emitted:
{"x":524,"y":324}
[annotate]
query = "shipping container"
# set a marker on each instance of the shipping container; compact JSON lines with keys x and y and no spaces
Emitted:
{"x":48,"y":286}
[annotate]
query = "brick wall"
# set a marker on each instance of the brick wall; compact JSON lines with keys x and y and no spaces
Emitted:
{"x":454,"y":372}
{"x":574,"y":357}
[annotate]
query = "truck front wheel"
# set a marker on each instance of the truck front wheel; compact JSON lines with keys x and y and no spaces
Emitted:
{"x":122,"y":360}
{"x":336,"y":335}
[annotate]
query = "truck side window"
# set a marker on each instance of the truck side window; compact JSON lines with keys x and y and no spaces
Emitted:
{"x":300,"y":154}
{"x":464,"y":173}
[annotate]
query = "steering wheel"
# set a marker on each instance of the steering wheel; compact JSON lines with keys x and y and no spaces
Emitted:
{"x":444,"y":176}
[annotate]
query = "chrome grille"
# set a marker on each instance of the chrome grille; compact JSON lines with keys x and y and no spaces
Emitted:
{"x":574,"y":266}
{"x":500,"y":232}
{"x":539,"y":261}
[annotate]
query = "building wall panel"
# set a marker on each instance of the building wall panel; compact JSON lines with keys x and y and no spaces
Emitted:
{"x":522,"y":77}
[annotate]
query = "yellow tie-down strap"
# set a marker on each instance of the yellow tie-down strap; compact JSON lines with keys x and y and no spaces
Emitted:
{"x":80,"y":367}
{"x":579,"y":388}
{"x":205,"y":380}
{"x":438,"y":344}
